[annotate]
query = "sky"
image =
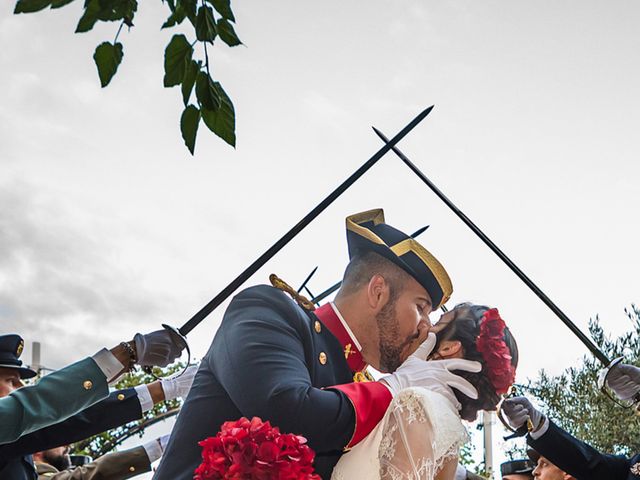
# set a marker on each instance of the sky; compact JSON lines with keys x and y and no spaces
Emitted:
{"x":109,"y":227}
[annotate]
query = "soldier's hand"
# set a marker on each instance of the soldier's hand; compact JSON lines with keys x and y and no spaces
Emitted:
{"x":518,"y":410}
{"x":179,"y":386}
{"x":624,"y":381}
{"x":159,"y":348}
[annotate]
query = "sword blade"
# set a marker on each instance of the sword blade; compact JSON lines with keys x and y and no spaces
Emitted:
{"x":494,"y":248}
{"x":297,"y":228}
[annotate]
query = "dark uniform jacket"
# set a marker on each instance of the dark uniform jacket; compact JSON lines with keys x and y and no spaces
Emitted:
{"x":272,"y":359}
{"x":118,"y":408}
{"x":581,"y":460}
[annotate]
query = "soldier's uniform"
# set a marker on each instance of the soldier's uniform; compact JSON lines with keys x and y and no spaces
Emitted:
{"x":112,"y":466}
{"x":118,"y":408}
{"x":581,"y":460}
{"x":276,"y":360}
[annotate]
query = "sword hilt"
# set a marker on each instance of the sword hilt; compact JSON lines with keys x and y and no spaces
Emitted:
{"x":181,"y":341}
{"x":634,"y":403}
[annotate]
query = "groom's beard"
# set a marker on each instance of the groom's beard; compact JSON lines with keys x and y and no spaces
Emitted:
{"x":61,"y":462}
{"x":390,"y":345}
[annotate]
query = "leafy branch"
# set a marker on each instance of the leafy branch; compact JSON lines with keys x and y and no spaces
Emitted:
{"x":210,"y":19}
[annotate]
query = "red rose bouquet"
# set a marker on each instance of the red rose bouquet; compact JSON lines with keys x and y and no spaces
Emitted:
{"x":254,"y":450}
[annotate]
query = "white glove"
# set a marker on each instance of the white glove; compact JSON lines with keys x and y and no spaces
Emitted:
{"x":624,"y":380}
{"x":158,"y":349}
{"x":518,"y":410}
{"x":179,"y":386}
{"x":434,"y":375}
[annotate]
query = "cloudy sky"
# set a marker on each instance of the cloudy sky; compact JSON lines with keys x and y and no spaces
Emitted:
{"x":108,"y":226}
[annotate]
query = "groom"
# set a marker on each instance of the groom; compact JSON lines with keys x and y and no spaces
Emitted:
{"x":301,"y":369}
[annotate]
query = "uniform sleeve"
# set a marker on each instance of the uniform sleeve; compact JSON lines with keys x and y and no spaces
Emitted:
{"x":259,"y":359}
{"x":577,"y":458}
{"x":55,"y":398}
{"x":113,"y":466}
{"x":119,"y":408}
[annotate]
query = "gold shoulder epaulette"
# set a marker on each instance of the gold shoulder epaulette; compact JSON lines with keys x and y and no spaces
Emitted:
{"x":301,"y":300}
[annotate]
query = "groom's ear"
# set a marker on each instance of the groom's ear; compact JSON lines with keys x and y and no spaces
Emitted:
{"x":377,"y":292}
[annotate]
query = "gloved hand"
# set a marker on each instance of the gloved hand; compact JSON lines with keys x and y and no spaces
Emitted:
{"x":159,"y":348}
{"x":624,"y":380}
{"x":156,"y":447}
{"x":518,"y":410}
{"x":433,"y":375}
{"x":179,"y":386}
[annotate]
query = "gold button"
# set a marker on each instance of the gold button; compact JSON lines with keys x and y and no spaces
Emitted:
{"x":87,"y":384}
{"x":317,"y":326}
{"x":132,"y":469}
{"x":121,"y":396}
{"x":323,"y":358}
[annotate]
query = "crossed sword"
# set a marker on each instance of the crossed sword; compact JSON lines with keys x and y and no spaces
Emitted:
{"x":199,"y":316}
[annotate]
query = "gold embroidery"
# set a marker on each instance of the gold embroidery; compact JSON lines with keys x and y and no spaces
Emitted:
{"x":348,"y":351}
{"x":411,"y":245}
{"x":376,"y":216}
{"x":299,"y":299}
{"x":20,"y":348}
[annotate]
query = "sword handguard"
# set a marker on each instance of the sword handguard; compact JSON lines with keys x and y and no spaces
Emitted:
{"x":181,"y":341}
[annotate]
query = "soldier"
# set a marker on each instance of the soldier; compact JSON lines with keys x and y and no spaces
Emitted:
{"x":73,"y":388}
{"x":302,"y":370}
{"x":54,"y":464}
{"x":569,"y":455}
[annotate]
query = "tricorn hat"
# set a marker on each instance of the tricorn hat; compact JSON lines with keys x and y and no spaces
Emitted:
{"x":367,"y":231}
{"x":10,"y":350}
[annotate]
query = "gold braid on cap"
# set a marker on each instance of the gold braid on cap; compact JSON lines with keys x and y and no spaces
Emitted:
{"x":301,"y":300}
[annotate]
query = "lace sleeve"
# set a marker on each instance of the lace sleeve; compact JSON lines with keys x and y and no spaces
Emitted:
{"x":421,"y":437}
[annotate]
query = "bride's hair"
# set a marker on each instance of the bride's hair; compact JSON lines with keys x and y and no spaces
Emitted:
{"x":465,"y":328}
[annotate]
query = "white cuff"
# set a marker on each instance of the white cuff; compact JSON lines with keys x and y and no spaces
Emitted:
{"x":108,"y":363}
{"x":146,"y":403}
{"x":540,"y":431}
{"x":153,"y":449}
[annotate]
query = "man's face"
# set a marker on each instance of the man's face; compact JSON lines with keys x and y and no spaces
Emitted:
{"x":9,"y":381}
{"x":545,"y":470}
{"x":401,"y":321}
{"x":57,"y":457}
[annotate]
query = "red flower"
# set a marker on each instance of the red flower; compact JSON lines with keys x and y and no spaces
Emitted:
{"x":495,"y":352}
{"x":254,"y":450}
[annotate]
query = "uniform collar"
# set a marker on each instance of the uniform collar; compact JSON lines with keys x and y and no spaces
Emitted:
{"x":330,"y":316}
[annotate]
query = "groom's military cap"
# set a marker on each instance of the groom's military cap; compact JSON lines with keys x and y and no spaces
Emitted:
{"x":367,"y":231}
{"x":10,"y":350}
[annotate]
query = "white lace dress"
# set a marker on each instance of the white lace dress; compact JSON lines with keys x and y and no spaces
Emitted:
{"x":420,"y":431}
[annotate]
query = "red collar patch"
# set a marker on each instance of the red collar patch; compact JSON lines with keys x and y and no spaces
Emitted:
{"x":328,"y":317}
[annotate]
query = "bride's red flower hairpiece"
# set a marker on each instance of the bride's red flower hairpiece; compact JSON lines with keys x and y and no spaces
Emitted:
{"x":495,"y":352}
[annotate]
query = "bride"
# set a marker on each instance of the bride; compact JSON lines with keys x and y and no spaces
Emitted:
{"x":422,"y":431}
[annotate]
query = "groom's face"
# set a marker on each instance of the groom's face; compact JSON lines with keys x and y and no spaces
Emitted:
{"x":403,"y":324}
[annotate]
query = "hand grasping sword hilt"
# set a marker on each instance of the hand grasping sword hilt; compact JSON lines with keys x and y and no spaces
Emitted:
{"x":624,"y":380}
{"x":519,"y":432}
{"x":181,"y":342}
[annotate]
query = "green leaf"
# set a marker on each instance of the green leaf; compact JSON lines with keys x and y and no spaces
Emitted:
{"x":177,"y":56}
{"x":189,"y":80}
{"x":189,"y":126}
{"x":176,"y":17}
{"x":107,"y":57}
{"x":30,"y":6}
{"x":222,"y":121}
{"x":223,"y":7}
{"x":205,"y":25}
{"x":89,"y":17}
{"x":227,"y":33}
{"x":60,"y":3}
{"x":206,"y":92}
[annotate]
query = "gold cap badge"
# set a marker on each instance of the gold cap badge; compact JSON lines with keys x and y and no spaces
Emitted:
{"x":20,"y":348}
